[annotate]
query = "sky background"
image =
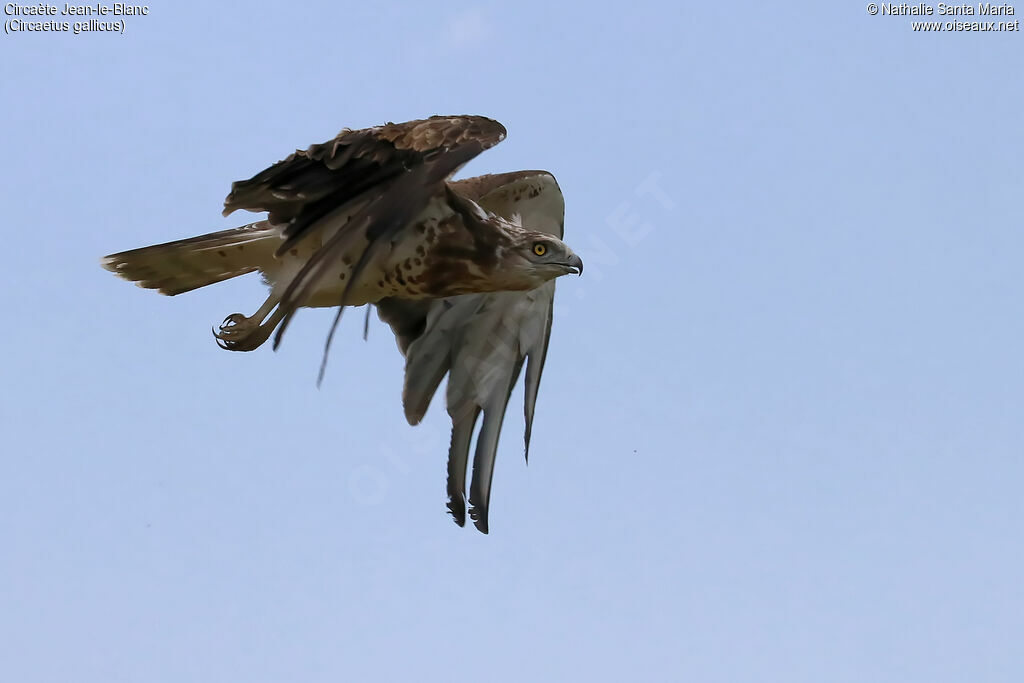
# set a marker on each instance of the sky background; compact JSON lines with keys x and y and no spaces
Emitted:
{"x":779,"y":436}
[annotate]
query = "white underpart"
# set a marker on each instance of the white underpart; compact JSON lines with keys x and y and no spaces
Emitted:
{"x":485,"y":337}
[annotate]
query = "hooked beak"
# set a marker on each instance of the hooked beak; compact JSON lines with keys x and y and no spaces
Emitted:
{"x":575,"y":262}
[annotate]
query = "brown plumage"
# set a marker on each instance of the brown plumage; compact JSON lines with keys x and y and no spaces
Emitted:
{"x":372,"y":216}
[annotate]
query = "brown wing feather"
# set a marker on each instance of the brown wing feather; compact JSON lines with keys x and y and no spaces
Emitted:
{"x":309,"y":184}
{"x":387,"y":208}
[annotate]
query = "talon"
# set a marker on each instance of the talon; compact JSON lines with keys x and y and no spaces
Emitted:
{"x":235,"y":342}
{"x":233,"y":320}
{"x":237,"y":332}
{"x":230,"y":333}
{"x":240,"y":333}
{"x":221,"y":342}
{"x":236,"y":327}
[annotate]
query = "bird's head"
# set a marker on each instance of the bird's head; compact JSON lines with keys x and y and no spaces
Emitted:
{"x":536,"y":257}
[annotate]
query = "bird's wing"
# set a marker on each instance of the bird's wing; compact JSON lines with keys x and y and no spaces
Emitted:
{"x":311,"y":183}
{"x":482,"y":340}
{"x":367,"y":183}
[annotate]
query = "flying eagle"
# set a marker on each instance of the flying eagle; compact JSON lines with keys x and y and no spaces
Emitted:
{"x":462,"y":270}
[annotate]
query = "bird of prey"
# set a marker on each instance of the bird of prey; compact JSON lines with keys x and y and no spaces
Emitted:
{"x":462,"y":270}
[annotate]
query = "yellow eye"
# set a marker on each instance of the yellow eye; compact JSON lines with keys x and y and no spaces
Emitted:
{"x":540,"y":249}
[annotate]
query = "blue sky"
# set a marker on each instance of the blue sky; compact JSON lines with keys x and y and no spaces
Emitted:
{"x":779,"y":435}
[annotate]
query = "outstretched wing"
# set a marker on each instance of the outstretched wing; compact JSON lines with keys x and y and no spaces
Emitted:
{"x":312,"y":183}
{"x":482,"y":340}
{"x":367,"y":184}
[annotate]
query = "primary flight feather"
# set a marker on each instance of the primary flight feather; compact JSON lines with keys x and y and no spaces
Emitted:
{"x":462,"y":270}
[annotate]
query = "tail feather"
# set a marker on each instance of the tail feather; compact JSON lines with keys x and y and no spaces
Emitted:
{"x":181,"y":266}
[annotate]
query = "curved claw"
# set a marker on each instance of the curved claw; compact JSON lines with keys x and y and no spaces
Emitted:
{"x":233,"y":320}
{"x":226,"y":344}
{"x":233,"y":333}
{"x":246,"y":343}
{"x":238,"y":333}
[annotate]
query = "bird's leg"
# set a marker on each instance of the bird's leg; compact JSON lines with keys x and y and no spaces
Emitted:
{"x":241,"y":333}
